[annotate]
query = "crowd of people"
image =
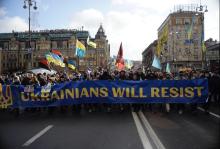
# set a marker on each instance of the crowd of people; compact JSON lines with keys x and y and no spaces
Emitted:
{"x":104,"y":74}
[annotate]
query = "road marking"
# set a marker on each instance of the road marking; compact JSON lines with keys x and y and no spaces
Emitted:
{"x":151,"y":132}
{"x":31,"y":140}
{"x":213,"y":114}
{"x":145,"y":141}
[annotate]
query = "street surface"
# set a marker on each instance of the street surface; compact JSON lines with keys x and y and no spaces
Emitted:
{"x":115,"y":130}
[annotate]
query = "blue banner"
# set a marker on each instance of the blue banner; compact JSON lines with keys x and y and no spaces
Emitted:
{"x":78,"y":92}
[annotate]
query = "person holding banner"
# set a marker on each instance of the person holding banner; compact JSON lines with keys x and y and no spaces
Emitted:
{"x":137,"y":77}
{"x":31,"y":81}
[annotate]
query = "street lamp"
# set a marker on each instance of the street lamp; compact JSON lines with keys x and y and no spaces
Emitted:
{"x":29,"y":4}
{"x":173,"y":34}
{"x":202,"y":9}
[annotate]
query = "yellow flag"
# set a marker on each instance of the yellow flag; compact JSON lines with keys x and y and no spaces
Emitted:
{"x":90,"y":43}
{"x":0,"y":88}
{"x":203,"y":47}
{"x":161,"y":40}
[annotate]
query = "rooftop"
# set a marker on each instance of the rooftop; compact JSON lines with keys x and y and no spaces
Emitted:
{"x":57,"y":33}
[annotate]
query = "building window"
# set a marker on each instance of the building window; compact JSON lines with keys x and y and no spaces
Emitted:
{"x":186,"y":21}
{"x":6,"y":45}
{"x":54,"y":44}
{"x":178,"y":21}
{"x":196,"y":57}
{"x":27,"y":44}
{"x":22,"y":45}
{"x":2,"y":45}
{"x":60,"y":44}
{"x":195,"y":42}
{"x":33,"y":45}
{"x":196,"y":21}
{"x":64,"y":44}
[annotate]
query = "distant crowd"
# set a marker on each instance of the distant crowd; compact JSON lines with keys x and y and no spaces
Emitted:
{"x":104,"y":74}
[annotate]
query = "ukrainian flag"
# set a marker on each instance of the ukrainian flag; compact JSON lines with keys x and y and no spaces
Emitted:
{"x":49,"y":58}
{"x":80,"y":49}
{"x":71,"y":64}
{"x":57,"y":60}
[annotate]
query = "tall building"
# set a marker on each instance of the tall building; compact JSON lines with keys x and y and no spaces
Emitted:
{"x":181,"y":35}
{"x":15,"y":56}
{"x":102,"y":49}
{"x":213,"y":55}
{"x":148,"y":55}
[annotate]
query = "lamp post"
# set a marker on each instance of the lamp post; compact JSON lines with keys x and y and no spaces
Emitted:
{"x":29,"y":4}
{"x":173,"y":50}
{"x":202,"y":9}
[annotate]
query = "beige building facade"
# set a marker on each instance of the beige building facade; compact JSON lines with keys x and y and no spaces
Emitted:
{"x":15,"y":56}
{"x":183,"y":41}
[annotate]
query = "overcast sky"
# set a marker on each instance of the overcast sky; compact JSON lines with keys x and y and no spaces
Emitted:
{"x":132,"y":22}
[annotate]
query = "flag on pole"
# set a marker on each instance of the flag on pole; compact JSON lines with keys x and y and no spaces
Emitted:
{"x":119,"y":60}
{"x":128,"y":64}
{"x":80,"y":49}
{"x":49,"y":58}
{"x":162,"y":39}
{"x":190,"y":28}
{"x":90,"y":43}
{"x":156,"y":62}
{"x":71,"y":64}
{"x":44,"y":64}
{"x":168,"y":68}
{"x":57,"y":52}
{"x":58,"y":60}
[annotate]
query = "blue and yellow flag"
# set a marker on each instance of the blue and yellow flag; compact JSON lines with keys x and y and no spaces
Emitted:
{"x":49,"y":58}
{"x":161,"y":40}
{"x":71,"y":64}
{"x":190,"y":28}
{"x":80,"y":49}
{"x":57,"y":60}
{"x":128,"y":64}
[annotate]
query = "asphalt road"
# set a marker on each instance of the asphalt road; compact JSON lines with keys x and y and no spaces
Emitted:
{"x":186,"y":131}
{"x":84,"y":130}
{"x":101,"y":130}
